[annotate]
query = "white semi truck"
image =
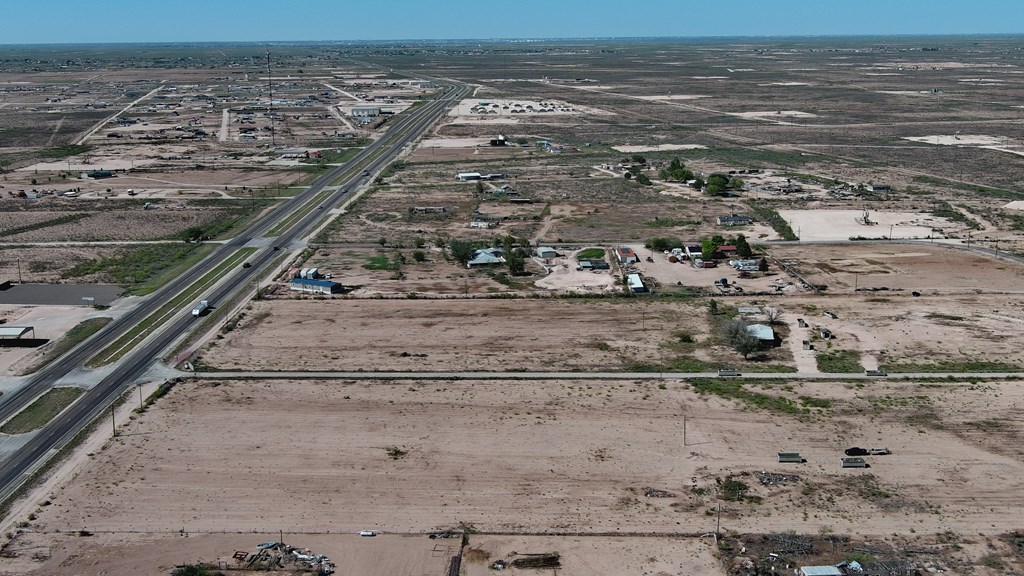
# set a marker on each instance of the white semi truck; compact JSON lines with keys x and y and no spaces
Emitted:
{"x":200,"y":308}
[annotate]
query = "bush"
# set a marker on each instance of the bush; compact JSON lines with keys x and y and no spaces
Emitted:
{"x":661,"y":243}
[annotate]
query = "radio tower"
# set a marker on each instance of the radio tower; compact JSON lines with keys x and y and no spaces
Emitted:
{"x":270,"y":88}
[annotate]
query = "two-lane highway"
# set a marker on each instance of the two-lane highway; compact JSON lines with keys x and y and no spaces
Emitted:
{"x":21,"y":464}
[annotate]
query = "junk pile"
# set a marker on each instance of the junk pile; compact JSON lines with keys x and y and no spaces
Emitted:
{"x":278,"y":555}
{"x":774,"y":479}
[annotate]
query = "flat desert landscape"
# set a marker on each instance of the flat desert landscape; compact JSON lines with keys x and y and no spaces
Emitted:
{"x":319,"y":458}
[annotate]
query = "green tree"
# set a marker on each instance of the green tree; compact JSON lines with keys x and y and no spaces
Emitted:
{"x":675,"y":164}
{"x":638,"y":159}
{"x":661,"y":243}
{"x":681,"y":174}
{"x":461,"y":250}
{"x":516,"y":262}
{"x":763,"y":265}
{"x":643,"y":180}
{"x":628,"y":175}
{"x":697,"y":184}
{"x":713,"y":307}
{"x":419,"y":256}
{"x":742,"y":247}
{"x":707,"y":248}
{"x":736,"y":184}
{"x":193,"y":234}
{"x":739,"y":338}
{"x":717,"y":184}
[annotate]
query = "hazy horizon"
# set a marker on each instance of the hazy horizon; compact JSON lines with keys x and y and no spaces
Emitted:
{"x":63,"y":22}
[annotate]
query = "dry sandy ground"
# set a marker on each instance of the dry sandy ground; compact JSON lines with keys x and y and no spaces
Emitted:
{"x":901,"y":329}
{"x":370,"y":334}
{"x":454,"y":142}
{"x":157,"y":554}
{"x":931,"y":270}
{"x":673,"y":96}
{"x":843,"y":225}
{"x":50,"y":322}
{"x":385,"y":555}
{"x":563,"y":275}
{"x":574,"y":456}
{"x":776,"y":114}
{"x":552,"y":107}
{"x":658,"y":148}
{"x":958,"y":140}
{"x":953,"y":321}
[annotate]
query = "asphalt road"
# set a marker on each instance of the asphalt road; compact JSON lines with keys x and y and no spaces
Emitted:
{"x":329,"y":375}
{"x":20,"y":465}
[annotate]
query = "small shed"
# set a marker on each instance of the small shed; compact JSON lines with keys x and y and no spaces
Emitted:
{"x":791,"y":457}
{"x":636,"y":284}
{"x":312,"y":286}
{"x":594,"y":264}
{"x":820,"y":571}
{"x":626,"y":255}
{"x":546,"y":252}
{"x":854,"y":463}
{"x":734,"y":220}
{"x":826,"y":334}
{"x":762,"y":332}
{"x":16,"y":332}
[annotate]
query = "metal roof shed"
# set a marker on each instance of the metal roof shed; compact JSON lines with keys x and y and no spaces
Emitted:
{"x":820,"y":571}
{"x":15,"y":332}
{"x":636,"y":284}
{"x":762,"y":332}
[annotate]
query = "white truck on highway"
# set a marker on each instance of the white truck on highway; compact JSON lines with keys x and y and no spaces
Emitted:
{"x":200,"y":308}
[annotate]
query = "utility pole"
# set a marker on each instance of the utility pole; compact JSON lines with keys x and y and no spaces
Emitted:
{"x":113,"y":422}
{"x":140,"y":397}
{"x":19,"y":270}
{"x":684,"y":429}
{"x":270,"y":88}
{"x":718,"y":522}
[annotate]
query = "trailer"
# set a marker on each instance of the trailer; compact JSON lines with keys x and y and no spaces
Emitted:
{"x":200,"y":308}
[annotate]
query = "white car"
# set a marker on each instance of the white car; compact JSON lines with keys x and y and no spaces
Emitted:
{"x":367,"y":532}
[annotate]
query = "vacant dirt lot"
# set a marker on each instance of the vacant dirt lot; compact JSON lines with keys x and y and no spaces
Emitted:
{"x":572,"y":456}
{"x":927,"y":269}
{"x":523,"y":334}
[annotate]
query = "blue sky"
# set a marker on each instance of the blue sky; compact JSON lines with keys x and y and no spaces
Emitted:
{"x":70,"y":21}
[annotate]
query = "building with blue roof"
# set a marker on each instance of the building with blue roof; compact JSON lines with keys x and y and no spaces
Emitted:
{"x":315,"y":286}
{"x":487,"y":257}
